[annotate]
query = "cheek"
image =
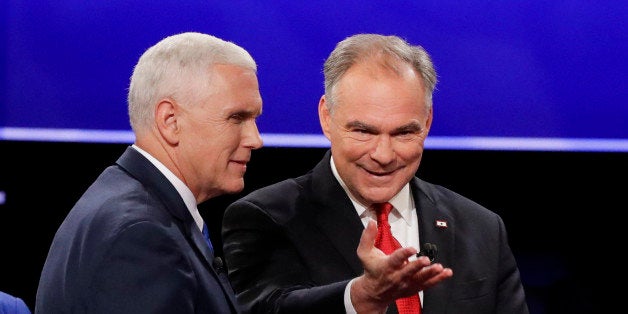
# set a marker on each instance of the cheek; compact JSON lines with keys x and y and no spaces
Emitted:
{"x":220,"y":136}
{"x":412,"y":151}
{"x":411,"y":156}
{"x":350,"y":149}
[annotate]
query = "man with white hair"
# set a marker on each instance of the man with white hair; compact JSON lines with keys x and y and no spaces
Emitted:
{"x":135,"y":241}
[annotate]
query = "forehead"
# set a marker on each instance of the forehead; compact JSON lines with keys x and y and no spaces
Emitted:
{"x":368,"y":89}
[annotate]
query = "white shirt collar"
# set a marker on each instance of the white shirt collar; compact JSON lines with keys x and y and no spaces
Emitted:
{"x":184,"y":191}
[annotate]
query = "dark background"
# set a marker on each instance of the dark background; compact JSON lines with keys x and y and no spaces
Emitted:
{"x":562,"y":209}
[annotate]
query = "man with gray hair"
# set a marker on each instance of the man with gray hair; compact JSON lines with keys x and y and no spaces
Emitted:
{"x":344,"y":237}
{"x":135,"y":241}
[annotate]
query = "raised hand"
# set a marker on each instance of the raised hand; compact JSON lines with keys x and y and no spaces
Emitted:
{"x":388,"y":277}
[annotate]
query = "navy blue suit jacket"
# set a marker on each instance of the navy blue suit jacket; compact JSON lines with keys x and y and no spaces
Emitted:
{"x":291,"y":248}
{"x":130,"y":245}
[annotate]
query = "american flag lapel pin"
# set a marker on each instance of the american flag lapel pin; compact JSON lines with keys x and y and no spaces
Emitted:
{"x":441,"y":224}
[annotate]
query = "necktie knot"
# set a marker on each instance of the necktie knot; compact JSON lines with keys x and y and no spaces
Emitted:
{"x":382,"y":210}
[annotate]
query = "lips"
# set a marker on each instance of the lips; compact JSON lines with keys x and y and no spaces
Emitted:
{"x":379,"y":173}
{"x":242,"y":161}
{"x":378,"y":170}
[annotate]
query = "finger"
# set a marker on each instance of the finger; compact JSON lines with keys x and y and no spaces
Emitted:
{"x":417,"y":271}
{"x":433,"y":275}
{"x":400,"y":257}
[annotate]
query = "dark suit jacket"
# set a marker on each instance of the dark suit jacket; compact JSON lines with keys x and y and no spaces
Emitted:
{"x":291,"y":248}
{"x":130,"y":245}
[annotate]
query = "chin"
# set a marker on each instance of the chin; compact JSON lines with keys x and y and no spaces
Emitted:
{"x":236,"y":187}
{"x":383,"y":194}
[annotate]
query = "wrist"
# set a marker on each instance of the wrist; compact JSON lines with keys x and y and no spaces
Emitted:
{"x":364,"y":298}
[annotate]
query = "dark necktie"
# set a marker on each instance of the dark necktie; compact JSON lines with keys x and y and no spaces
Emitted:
{"x":386,"y":242}
{"x":206,"y":236}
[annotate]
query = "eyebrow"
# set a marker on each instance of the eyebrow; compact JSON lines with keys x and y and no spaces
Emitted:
{"x":246,"y":113}
{"x":409,"y":127}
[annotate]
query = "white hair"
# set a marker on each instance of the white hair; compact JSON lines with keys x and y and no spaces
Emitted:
{"x":174,"y":68}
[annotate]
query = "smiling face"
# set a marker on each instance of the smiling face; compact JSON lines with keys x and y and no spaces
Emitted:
{"x":377,"y":129}
{"x":218,"y":133}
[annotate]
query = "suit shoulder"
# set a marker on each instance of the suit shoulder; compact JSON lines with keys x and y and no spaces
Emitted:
{"x":116,"y":200}
{"x":447,"y":199}
{"x":278,"y":193}
{"x":280,"y":200}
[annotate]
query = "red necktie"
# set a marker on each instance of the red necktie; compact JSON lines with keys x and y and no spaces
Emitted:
{"x":388,"y":244}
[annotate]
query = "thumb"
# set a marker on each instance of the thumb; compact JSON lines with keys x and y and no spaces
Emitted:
{"x":367,"y":240}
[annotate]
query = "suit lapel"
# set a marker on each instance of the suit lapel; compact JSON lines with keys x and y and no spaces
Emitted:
{"x":436,"y":226}
{"x":143,"y":170}
{"x":335,"y":215}
{"x":344,"y":232}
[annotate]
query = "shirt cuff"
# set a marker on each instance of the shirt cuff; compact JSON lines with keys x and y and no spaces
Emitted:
{"x":348,"y":305}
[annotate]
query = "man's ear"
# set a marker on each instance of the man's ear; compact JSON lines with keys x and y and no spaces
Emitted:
{"x":324,"y":116}
{"x":428,"y":124}
{"x":166,"y":120}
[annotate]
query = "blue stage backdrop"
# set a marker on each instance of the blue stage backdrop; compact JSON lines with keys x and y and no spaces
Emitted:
{"x":538,"y":75}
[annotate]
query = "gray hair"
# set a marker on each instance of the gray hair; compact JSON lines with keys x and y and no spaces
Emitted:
{"x":387,"y":51}
{"x":177,"y":68}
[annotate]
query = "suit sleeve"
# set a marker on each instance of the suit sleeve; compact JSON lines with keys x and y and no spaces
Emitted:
{"x":145,"y":271}
{"x":266,"y":271}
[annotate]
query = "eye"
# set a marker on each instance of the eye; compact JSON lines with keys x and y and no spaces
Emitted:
{"x":237,"y":117}
{"x":408,"y":134}
{"x":361,"y":134}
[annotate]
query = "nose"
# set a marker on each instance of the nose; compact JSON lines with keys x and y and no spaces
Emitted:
{"x":383,"y":152}
{"x":252,"y":138}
